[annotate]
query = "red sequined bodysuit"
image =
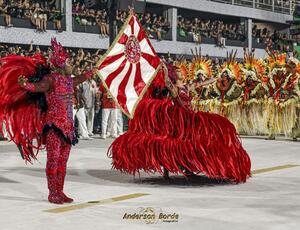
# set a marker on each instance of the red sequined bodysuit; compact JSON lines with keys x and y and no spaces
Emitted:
{"x":60,"y":105}
{"x":37,"y":104}
{"x":58,"y":129}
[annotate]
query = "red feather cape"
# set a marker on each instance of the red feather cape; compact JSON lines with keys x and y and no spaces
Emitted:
{"x":22,"y":117}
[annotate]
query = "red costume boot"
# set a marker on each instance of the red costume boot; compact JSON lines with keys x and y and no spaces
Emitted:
{"x":61,"y":180}
{"x":54,"y":196}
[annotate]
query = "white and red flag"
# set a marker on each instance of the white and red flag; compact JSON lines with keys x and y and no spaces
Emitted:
{"x":129,"y":66}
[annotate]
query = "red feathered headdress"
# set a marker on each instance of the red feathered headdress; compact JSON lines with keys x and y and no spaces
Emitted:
{"x":59,"y":55}
{"x":39,"y":59}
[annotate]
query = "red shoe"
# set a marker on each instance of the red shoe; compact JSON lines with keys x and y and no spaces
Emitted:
{"x":55,"y":198}
{"x":65,"y":198}
{"x":60,"y":188}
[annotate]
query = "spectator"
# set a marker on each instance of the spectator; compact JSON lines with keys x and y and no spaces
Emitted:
{"x":56,"y":16}
{"x":89,"y":94}
{"x":196,"y":30}
{"x":27,"y":12}
{"x":108,"y":112}
{"x":44,"y":18}
{"x":4,"y":11}
{"x":160,"y":26}
{"x":102,"y":23}
{"x":181,"y":25}
{"x":120,"y":18}
{"x":80,"y":105}
{"x":119,"y":129}
{"x":98,"y":112}
{"x":36,"y":17}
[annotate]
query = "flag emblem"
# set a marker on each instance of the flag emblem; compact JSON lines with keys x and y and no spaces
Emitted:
{"x":129,"y":66}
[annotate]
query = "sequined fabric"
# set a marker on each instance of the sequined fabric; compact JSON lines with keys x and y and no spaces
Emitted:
{"x":59,"y":56}
{"x":57,"y":156}
{"x":59,"y":115}
{"x":30,"y":87}
{"x":60,"y":105}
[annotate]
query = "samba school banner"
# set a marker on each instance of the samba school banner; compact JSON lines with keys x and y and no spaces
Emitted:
{"x":129,"y":66}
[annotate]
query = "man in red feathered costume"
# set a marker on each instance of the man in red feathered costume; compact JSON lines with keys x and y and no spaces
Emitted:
{"x":53,"y":125}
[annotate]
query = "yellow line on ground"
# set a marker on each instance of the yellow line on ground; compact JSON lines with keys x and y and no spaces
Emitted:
{"x":97,"y":202}
{"x":137,"y":195}
{"x":264,"y":170}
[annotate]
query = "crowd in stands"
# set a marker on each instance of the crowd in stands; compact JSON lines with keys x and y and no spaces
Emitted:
{"x":215,"y":29}
{"x":38,"y":12}
{"x":219,"y":31}
{"x":155,"y":25}
{"x":274,"y":40}
{"x":91,"y":17}
{"x":79,"y":57}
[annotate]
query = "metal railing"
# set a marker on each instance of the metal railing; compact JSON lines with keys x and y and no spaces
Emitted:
{"x":278,"y":6}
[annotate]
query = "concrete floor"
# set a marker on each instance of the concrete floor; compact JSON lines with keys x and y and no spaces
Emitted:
{"x":270,"y":200}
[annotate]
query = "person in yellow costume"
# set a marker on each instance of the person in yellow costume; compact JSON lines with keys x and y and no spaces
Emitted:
{"x":281,"y":113}
{"x":253,"y":95}
{"x":202,"y":77}
{"x":290,"y":100}
{"x":227,"y":91}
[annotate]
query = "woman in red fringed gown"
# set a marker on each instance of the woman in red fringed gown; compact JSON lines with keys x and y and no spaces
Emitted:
{"x":166,"y":135}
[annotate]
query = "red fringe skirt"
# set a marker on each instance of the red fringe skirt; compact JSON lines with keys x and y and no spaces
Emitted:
{"x":164,"y":135}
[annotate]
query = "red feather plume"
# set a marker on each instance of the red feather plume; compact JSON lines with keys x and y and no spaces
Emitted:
{"x":22,"y":117}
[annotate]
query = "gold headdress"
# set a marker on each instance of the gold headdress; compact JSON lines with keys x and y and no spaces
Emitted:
{"x":251,"y":66}
{"x":231,"y":66}
{"x":201,"y":65}
{"x":276,"y":62}
{"x":182,"y":66}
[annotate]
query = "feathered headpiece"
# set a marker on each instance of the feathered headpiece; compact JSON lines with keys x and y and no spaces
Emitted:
{"x":293,"y":63}
{"x":201,"y":65}
{"x":260,"y":67}
{"x":231,"y":66}
{"x":252,"y":67}
{"x":276,"y":62}
{"x":59,"y":56}
{"x":297,"y":68}
{"x":39,"y":59}
{"x":292,"y":72}
{"x":183,"y":67}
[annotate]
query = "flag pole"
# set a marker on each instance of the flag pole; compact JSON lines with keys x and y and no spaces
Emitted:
{"x":112,"y":6}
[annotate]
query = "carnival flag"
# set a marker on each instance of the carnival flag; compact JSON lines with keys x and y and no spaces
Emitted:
{"x":129,"y":66}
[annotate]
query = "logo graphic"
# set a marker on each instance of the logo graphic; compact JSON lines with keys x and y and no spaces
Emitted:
{"x":133,"y":50}
{"x":150,"y":215}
